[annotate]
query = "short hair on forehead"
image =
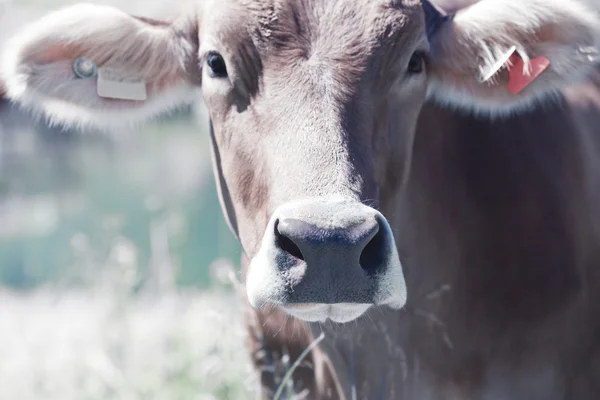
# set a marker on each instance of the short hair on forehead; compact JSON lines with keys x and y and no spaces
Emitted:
{"x":342,"y":38}
{"x":299,"y":25}
{"x":263,"y":13}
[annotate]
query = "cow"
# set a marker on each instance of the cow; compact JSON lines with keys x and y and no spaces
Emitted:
{"x":416,"y":192}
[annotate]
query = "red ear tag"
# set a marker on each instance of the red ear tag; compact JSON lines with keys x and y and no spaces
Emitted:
{"x":517,"y":79}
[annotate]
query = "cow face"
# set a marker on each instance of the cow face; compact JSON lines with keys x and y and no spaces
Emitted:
{"x":313,"y":107}
{"x":308,"y":128}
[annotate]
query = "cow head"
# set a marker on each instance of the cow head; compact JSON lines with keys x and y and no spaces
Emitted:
{"x":313,"y":107}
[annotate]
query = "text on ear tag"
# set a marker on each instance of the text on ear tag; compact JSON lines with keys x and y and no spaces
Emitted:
{"x":113,"y":84}
{"x":518,"y":79}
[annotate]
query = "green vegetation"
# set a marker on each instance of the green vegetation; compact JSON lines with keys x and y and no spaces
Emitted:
{"x":58,"y":187}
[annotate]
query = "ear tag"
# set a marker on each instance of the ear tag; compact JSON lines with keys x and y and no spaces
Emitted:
{"x":518,"y":78}
{"x":84,"y":68}
{"x":114,"y":84}
{"x":498,"y":65}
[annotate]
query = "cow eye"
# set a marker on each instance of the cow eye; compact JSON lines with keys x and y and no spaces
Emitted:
{"x":217,"y":66}
{"x":416,"y":63}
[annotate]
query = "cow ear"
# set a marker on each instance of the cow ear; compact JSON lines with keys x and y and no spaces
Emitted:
{"x":91,"y":65}
{"x":500,"y":55}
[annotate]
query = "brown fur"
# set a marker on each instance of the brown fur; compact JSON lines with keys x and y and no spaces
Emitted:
{"x":501,"y":257}
{"x":497,"y":236}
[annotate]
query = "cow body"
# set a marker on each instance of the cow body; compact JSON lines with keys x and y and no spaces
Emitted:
{"x":444,"y":253}
{"x":500,"y":235}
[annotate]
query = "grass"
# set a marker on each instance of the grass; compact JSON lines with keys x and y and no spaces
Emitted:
{"x":108,"y":340}
{"x":93,"y":345}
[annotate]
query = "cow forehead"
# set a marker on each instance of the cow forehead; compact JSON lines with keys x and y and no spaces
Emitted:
{"x":332,"y":17}
{"x":324,"y":41}
{"x":308,"y":26}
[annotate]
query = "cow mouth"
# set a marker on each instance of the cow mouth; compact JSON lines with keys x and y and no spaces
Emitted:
{"x":340,"y":313}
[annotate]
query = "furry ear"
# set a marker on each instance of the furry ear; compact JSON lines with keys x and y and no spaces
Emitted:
{"x":95,"y":65}
{"x":498,"y":56}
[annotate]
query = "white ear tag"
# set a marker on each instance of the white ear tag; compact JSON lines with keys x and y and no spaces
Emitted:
{"x":497,"y":66}
{"x":113,"y":84}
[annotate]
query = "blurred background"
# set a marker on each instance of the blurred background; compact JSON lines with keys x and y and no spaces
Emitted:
{"x":117,"y":270}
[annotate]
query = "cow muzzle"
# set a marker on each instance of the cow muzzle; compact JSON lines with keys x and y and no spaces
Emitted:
{"x":327,"y":258}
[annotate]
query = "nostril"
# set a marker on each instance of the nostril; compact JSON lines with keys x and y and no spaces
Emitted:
{"x":286,"y":244}
{"x":373,"y":255}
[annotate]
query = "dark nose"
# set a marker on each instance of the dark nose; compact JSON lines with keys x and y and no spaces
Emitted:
{"x":360,"y":244}
{"x":326,"y":251}
{"x":332,"y":257}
